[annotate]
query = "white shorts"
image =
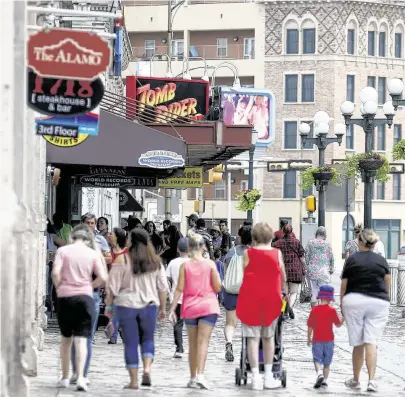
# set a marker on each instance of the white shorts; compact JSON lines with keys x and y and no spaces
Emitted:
{"x":366,"y":318}
{"x":314,"y":285}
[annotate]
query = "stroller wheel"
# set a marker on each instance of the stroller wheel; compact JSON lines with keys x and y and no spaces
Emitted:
{"x":238,"y":376}
{"x":284,"y":378}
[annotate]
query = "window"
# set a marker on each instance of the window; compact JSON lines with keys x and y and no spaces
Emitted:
{"x":398,"y":45}
{"x":249,"y":48}
{"x":350,"y":41}
{"x":381,"y":137}
{"x":307,"y":88}
{"x":222,"y":48}
{"x":244,"y":185}
{"x":382,"y":90}
{"x":220,"y":190}
{"x":178,"y":49}
{"x":311,"y":134}
{"x":308,"y":192}
{"x":150,"y":48}
{"x":396,"y":186}
{"x":371,"y":81}
{"x":290,"y":135}
{"x":381,"y":44}
{"x":290,"y":184}
{"x":397,"y":133}
{"x":350,"y":88}
{"x":371,"y":43}
{"x":308,"y":41}
{"x":380,"y":190}
{"x":292,"y":41}
{"x":350,"y":137}
{"x":389,"y":231}
{"x":286,"y":221}
{"x":291,"y":88}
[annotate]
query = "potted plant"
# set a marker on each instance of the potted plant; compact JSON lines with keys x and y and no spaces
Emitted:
{"x":357,"y":164}
{"x":398,"y":151}
{"x":247,"y":199}
{"x":322,"y":174}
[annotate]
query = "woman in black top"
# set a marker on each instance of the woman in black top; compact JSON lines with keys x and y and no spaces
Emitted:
{"x":365,"y":305}
{"x":155,"y":239}
{"x":170,"y":250}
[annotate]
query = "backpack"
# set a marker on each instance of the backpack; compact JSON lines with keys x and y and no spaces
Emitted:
{"x":234,"y":274}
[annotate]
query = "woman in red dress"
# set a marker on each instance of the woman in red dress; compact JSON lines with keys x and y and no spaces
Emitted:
{"x":260,"y":301}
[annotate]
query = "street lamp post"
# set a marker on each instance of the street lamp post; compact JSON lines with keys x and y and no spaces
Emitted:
{"x":321,"y":141}
{"x":368,"y":122}
{"x":396,"y":88}
{"x":251,"y":163}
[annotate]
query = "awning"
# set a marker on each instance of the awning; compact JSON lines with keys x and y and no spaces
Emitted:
{"x":128,"y":202}
{"x":120,"y":142}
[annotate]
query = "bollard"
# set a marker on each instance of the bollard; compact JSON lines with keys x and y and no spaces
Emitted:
{"x":401,"y":284}
{"x":393,"y":266}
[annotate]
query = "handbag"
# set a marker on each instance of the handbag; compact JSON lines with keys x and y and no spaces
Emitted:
{"x":306,"y":293}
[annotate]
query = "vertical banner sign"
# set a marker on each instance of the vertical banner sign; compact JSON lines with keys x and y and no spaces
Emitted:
{"x":251,"y":106}
{"x":163,"y":100}
{"x":64,"y":85}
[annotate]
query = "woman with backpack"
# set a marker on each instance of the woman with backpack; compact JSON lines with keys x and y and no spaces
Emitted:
{"x":233,"y":266}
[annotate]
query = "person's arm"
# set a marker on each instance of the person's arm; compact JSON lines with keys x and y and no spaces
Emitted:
{"x":245,"y":259}
{"x":336,"y":320}
{"x":163,"y":288}
{"x":343,"y":288}
{"x":57,"y":268}
{"x":310,"y":324}
{"x":57,"y":240}
{"x":283,"y":275}
{"x":177,"y":293}
{"x":331,"y":259}
{"x":215,"y":279}
{"x":307,"y":255}
{"x":309,"y":336}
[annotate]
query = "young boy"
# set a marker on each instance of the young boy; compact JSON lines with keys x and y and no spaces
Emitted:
{"x":320,"y":334}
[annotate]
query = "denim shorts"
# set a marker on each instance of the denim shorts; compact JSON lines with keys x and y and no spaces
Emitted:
{"x":229,"y":301}
{"x":193,"y":322}
{"x":323,"y":352}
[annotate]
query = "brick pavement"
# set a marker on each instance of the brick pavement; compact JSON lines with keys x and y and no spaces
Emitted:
{"x":170,"y":375}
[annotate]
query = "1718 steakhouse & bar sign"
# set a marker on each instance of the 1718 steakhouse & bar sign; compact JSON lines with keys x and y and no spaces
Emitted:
{"x":164,"y":100}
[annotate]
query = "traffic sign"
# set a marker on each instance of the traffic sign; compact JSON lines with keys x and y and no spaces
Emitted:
{"x":68,"y":54}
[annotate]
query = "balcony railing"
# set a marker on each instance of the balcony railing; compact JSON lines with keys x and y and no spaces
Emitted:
{"x":139,"y":3}
{"x":232,"y":51}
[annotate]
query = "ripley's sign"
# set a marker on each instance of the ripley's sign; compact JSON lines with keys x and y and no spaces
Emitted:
{"x":167,"y":99}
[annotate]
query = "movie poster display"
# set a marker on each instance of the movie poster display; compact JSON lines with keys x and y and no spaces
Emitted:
{"x":250,"y":106}
{"x":169,"y":98}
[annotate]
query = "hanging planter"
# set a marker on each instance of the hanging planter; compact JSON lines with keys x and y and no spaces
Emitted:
{"x":398,"y":151}
{"x":359,"y":164}
{"x":247,"y":199}
{"x":322,"y":174}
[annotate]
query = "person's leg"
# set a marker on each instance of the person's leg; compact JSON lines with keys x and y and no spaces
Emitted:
{"x":253,"y":356}
{"x":130,"y":335}
{"x":318,"y":356}
{"x":96,"y":311}
{"x":81,"y":355}
{"x":205,"y":326}
{"x":314,"y":292}
{"x":178,"y":333}
{"x":268,"y":334}
{"x":65,"y":349}
{"x":192,"y":350}
{"x":328,"y":350}
{"x":358,"y":361}
{"x":147,"y":323}
{"x":114,"y":336}
{"x":229,"y":330}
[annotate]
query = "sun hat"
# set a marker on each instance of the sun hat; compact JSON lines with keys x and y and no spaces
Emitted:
{"x":326,"y":292}
{"x":193,"y":216}
{"x":216,"y":228}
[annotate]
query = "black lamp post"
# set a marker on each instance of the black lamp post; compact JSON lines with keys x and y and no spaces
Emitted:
{"x":321,"y":141}
{"x":251,"y":163}
{"x":368,"y":122}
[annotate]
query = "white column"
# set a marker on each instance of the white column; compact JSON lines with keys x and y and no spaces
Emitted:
{"x":186,"y":36}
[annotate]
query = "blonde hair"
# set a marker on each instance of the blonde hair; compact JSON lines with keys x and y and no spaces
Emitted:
{"x":368,"y":237}
{"x":262,"y":233}
{"x":195,"y":241}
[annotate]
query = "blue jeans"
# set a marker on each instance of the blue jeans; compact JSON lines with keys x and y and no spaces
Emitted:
{"x":137,"y":328}
{"x":96,"y":297}
{"x":116,"y":324}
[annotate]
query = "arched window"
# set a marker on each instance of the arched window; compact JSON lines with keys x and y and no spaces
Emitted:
{"x":348,"y":224}
{"x":351,"y":37}
{"x":383,"y":40}
{"x":292,"y":37}
{"x":371,"y":41}
{"x":308,"y":36}
{"x":398,"y":39}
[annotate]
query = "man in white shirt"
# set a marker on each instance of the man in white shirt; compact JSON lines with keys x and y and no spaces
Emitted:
{"x":379,"y":248}
{"x":172,"y":273}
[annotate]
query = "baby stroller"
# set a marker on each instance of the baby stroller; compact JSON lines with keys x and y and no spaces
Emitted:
{"x":241,"y":373}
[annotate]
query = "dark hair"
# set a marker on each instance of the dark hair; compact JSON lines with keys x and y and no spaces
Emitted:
{"x":132,"y":222}
{"x":287,"y":230}
{"x":357,"y":229}
{"x":246,"y":235}
{"x":247,"y":223}
{"x":283,"y":223}
{"x":200,"y":223}
{"x":57,"y":218}
{"x":147,"y":224}
{"x":223,"y":221}
{"x":49,"y":227}
{"x":142,"y":253}
{"x":167,"y":222}
{"x":262,"y":233}
{"x":105,"y":220}
{"x":121,"y":235}
{"x":217,"y":253}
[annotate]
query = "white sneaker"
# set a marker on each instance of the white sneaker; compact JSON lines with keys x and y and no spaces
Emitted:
{"x":200,"y":380}
{"x":192,"y":384}
{"x":63,"y":384}
{"x":257,"y":382}
{"x":271,"y":383}
{"x":81,"y":384}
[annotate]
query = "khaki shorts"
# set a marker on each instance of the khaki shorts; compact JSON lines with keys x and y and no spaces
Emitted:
{"x":257,"y":332}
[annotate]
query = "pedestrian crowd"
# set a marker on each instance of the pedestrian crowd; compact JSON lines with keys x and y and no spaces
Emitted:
{"x":129,"y":273}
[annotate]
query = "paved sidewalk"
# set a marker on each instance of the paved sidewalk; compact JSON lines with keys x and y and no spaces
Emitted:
{"x":169,"y":376}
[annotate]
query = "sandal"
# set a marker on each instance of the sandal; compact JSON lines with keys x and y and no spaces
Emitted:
{"x":353,"y":384}
{"x":146,"y":381}
{"x":372,"y":386}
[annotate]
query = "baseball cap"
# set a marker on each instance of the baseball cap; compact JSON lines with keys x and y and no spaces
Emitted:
{"x":193,"y":217}
{"x":326,"y":292}
{"x":182,"y":244}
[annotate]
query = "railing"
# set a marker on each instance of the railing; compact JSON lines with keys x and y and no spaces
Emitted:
{"x":132,"y":109}
{"x":231,"y":51}
{"x":139,"y":3}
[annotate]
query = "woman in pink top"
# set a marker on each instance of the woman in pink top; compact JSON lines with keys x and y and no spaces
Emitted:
{"x":72,"y":276}
{"x":199,"y":282}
